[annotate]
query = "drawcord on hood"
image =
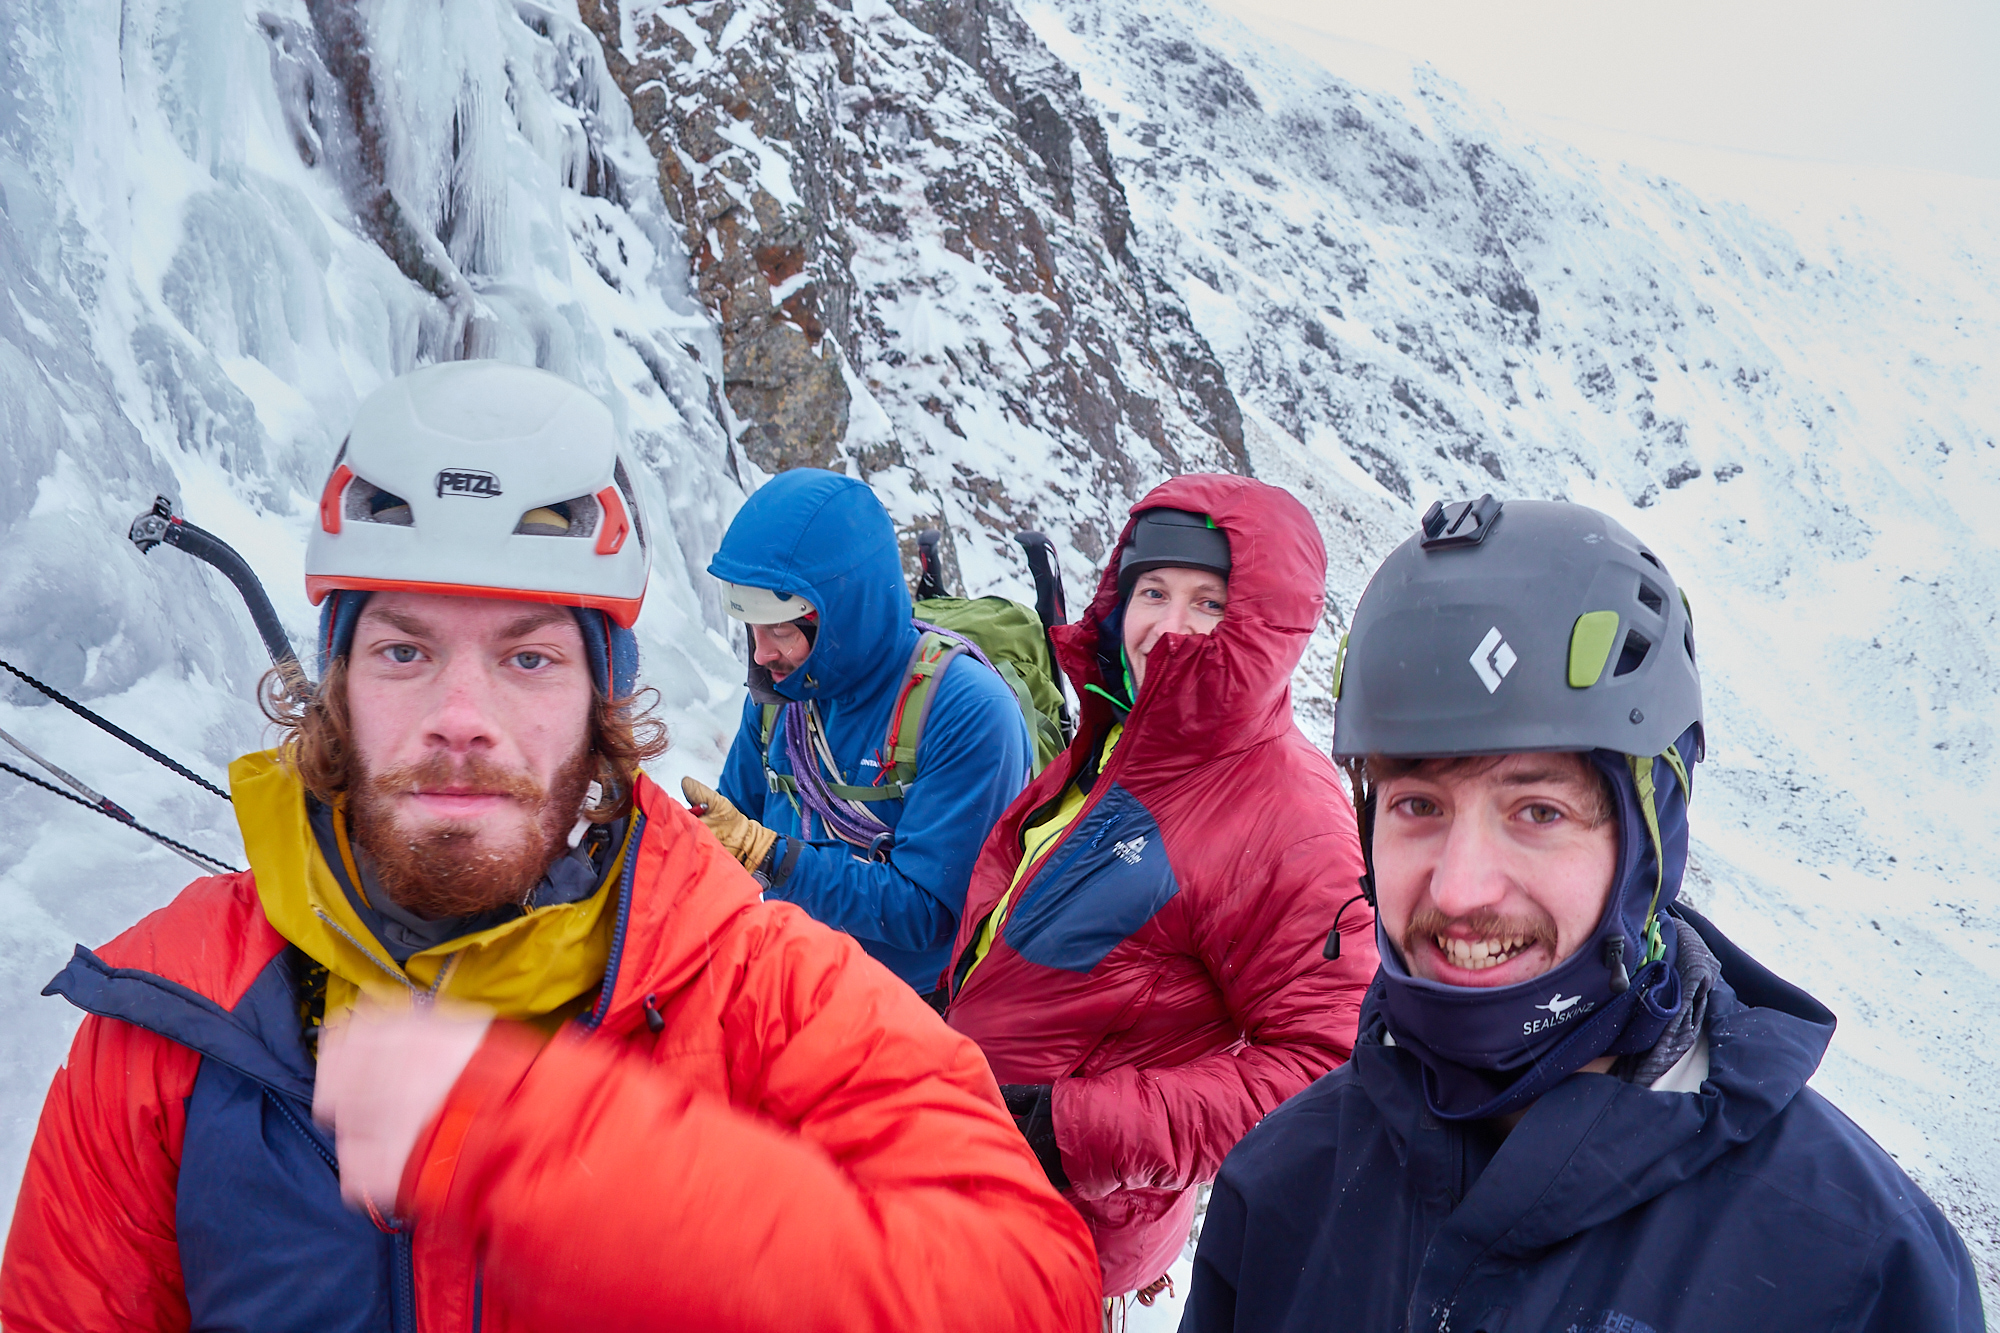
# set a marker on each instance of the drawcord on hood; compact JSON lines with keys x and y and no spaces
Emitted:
{"x":1486,"y":1052}
{"x":1114,"y":663}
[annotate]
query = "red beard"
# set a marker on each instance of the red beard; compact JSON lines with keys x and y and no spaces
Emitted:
{"x":460,"y":867}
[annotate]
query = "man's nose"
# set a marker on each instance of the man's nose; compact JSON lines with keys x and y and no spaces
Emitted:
{"x":767,"y":652}
{"x":1469,"y":873}
{"x":1175,"y":621}
{"x":462,"y":720}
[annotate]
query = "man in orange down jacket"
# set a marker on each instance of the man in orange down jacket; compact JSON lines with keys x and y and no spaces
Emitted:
{"x":1142,"y":954}
{"x":643,"y":1098}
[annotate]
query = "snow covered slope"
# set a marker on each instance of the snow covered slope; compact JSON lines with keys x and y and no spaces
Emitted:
{"x":1797,"y":405}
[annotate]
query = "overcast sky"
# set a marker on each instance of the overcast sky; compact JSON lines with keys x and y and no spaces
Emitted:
{"x":1913,"y":83}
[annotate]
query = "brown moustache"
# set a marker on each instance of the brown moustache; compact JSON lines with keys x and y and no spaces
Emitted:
{"x":460,"y":867}
{"x":1485,"y":923}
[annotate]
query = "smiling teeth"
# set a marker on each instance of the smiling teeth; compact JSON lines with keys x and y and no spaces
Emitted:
{"x":1476,"y":956}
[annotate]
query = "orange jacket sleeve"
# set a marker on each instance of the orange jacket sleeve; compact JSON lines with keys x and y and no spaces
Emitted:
{"x":861,"y":1174}
{"x":92,"y":1245}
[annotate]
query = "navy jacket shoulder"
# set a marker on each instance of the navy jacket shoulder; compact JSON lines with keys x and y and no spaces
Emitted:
{"x":1753,"y":1204}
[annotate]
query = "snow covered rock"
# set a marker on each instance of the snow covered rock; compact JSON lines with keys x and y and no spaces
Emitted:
{"x":907,"y":224}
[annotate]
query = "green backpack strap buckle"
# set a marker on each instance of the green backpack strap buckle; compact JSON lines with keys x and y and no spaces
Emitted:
{"x":782,"y":783}
{"x":934,"y":653}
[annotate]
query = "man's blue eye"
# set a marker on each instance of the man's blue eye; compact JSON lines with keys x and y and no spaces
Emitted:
{"x":402,"y":654}
{"x":529,"y":661}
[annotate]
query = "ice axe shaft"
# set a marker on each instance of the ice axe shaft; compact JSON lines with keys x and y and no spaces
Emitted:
{"x":930,"y":566}
{"x":160,"y":524}
{"x":1051,"y":606}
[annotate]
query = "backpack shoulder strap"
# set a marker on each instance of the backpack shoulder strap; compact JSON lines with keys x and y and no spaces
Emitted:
{"x":934,"y":653}
{"x":773,"y":780}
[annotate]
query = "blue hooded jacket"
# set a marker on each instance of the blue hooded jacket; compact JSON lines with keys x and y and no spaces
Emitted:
{"x":1751,"y":1205}
{"x":826,"y":538}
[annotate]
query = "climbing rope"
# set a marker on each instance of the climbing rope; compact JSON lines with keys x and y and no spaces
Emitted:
{"x":115,"y":730}
{"x":111,"y":810}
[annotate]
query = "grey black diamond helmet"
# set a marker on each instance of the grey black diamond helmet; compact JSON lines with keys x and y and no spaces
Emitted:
{"x":1532,"y":625}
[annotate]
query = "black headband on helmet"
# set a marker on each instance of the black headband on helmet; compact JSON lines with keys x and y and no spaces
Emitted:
{"x":1164,"y":538}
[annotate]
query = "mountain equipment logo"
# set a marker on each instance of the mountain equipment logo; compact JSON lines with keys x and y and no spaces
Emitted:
{"x":1492,"y":659}
{"x":467,"y":481}
{"x":1559,"y":1011}
{"x":1130,"y":850}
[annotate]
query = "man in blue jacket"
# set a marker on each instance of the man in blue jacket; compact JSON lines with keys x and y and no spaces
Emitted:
{"x":811,"y":565}
{"x":1572,"y":1106}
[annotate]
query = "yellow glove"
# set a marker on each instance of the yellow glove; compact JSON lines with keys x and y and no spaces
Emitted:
{"x":743,"y":837}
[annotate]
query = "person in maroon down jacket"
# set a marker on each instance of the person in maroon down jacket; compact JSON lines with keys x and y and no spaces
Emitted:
{"x":1141,"y":954}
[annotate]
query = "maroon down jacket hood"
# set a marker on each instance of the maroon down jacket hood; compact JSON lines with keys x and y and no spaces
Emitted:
{"x":1162,"y":967}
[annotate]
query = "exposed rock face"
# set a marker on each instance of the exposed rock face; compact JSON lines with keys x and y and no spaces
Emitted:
{"x":735,"y":101}
{"x":907,"y":222}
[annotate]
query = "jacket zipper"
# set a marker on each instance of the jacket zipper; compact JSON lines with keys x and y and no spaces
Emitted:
{"x":403,"y":1274}
{"x":277,"y":1100}
{"x":624,"y":913}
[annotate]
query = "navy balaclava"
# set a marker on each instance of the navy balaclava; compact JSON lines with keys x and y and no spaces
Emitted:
{"x":1113,"y":664}
{"x":611,"y":649}
{"x":1488,"y":1051}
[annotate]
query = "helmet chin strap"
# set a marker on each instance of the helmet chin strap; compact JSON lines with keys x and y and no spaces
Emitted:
{"x":1642,"y":779}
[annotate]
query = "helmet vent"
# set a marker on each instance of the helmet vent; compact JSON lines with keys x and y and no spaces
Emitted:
{"x":1652,"y":560}
{"x":624,"y":484}
{"x":1633,"y":655}
{"x":1687,"y":641}
{"x":1652,"y":598}
{"x":565,"y":518}
{"x":368,"y":503}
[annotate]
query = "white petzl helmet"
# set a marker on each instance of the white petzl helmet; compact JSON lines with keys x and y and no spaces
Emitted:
{"x":484,"y":479}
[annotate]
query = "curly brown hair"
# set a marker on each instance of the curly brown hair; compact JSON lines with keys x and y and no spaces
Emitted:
{"x":317,"y":737}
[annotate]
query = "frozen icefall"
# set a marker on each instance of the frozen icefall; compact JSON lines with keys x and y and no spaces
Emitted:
{"x":223,"y":225}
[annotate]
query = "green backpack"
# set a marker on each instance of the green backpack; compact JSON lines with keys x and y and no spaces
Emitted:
{"x":1012,"y":638}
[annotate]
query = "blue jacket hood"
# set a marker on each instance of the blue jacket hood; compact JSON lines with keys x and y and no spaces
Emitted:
{"x":826,"y":538}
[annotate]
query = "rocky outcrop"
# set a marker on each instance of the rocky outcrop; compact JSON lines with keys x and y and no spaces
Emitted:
{"x":906,"y":220}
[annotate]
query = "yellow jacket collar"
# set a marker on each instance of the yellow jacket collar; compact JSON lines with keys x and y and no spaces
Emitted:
{"x":526,"y":968}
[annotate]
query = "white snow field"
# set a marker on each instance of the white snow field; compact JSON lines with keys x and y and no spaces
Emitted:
{"x":1782,"y":377}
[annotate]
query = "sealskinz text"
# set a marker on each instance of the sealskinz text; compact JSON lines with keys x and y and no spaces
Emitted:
{"x":1560,"y":1011}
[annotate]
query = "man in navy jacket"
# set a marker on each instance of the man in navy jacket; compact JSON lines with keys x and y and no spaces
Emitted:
{"x":810,"y":563}
{"x":1572,"y":1106}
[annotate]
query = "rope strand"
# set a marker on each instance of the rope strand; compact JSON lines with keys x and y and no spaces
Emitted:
{"x":203,"y":859}
{"x":114,"y":729}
